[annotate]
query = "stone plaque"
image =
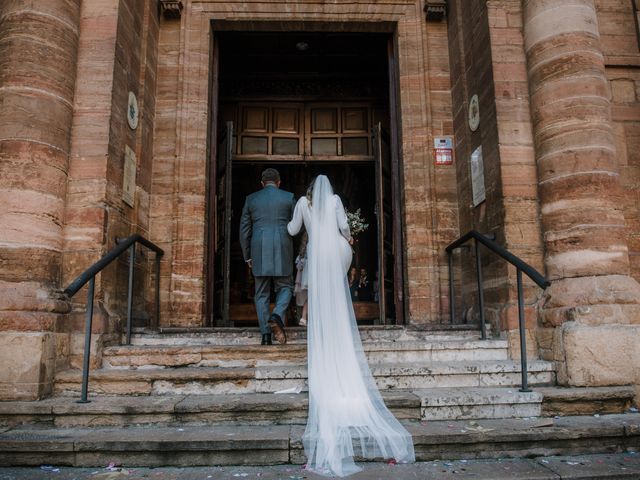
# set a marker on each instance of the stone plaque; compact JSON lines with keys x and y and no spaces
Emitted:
{"x":477,"y":177}
{"x":132,"y":111}
{"x":129,"y":177}
{"x":474,"y":113}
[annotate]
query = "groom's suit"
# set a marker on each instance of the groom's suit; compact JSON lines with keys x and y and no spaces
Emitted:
{"x":265,"y":241}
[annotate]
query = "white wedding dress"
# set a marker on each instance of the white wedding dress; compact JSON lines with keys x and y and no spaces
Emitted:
{"x":347,"y":416}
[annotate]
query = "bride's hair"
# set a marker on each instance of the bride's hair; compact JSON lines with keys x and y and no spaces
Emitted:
{"x":310,"y":191}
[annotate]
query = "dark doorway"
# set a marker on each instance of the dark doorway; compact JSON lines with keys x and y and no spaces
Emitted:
{"x":305,"y":103}
{"x":355,"y":183}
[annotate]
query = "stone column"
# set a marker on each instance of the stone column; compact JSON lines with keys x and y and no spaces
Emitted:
{"x":38,"y":47}
{"x":593,"y":302}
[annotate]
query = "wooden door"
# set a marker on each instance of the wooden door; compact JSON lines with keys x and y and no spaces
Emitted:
{"x":223,"y":233}
{"x":384,"y":220}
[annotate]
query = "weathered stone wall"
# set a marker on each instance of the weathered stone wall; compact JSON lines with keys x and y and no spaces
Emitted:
{"x":471,"y":74}
{"x":618,"y":27}
{"x":164,"y":150}
{"x":521,"y":225}
{"x":488,"y":60}
{"x":621,"y":47}
{"x":38,"y":48}
{"x":179,"y":186}
{"x":117,"y":54}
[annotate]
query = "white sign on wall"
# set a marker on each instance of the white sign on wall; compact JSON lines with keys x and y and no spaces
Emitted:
{"x":129,"y":177}
{"x":477,"y":177}
{"x":443,"y":150}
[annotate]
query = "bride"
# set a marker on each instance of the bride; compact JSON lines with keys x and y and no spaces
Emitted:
{"x":347,"y":416}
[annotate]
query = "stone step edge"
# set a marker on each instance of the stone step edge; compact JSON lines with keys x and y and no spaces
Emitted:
{"x":419,"y":369}
{"x":130,"y":405}
{"x":598,"y":400}
{"x":295,"y":371}
{"x":436,"y":329}
{"x":401,"y":346}
{"x":571,"y":394}
{"x":433,"y":440}
{"x":114,"y":404}
{"x":238,"y":336}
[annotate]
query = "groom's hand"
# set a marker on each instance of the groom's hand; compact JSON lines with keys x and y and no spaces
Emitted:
{"x":249,"y":263}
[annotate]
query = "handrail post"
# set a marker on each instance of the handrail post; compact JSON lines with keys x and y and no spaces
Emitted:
{"x":157,"y":322}
{"x":483,"y":327}
{"x":132,"y":261}
{"x":87,"y":343}
{"x":523,"y":338}
{"x":452,"y":303}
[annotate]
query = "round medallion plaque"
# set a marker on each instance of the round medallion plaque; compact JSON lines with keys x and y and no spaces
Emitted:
{"x":132,"y":111}
{"x":474,"y":113}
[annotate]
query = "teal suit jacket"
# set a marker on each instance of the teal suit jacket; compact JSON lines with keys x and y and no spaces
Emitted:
{"x":263,"y":232}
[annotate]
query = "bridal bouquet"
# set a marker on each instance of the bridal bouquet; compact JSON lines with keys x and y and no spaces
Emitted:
{"x":356,"y":223}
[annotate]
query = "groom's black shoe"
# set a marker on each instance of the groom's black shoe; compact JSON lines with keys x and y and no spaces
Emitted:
{"x":277,"y":327}
{"x":266,"y":339}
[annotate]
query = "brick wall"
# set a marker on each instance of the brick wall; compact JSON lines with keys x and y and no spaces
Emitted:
{"x":116,"y":55}
{"x":487,"y":58}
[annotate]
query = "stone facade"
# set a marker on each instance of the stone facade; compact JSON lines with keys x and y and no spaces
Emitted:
{"x":558,"y":85}
{"x":179,"y":185}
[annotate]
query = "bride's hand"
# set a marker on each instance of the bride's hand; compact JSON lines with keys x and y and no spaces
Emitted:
{"x":350,"y":240}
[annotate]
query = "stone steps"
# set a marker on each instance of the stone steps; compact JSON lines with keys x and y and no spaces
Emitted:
{"x":298,"y":335}
{"x":478,"y":403}
{"x":567,"y":401}
{"x":504,"y":373}
{"x":269,"y":379}
{"x":212,"y":355}
{"x":263,"y":408}
{"x":291,"y":409}
{"x":155,"y":446}
{"x":229,"y":409}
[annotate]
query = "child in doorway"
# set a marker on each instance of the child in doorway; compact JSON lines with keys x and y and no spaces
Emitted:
{"x":301,"y":289}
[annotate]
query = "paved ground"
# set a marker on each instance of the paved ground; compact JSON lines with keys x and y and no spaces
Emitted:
{"x":618,"y":466}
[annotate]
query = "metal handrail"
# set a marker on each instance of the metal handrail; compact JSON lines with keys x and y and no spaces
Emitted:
{"x":521,"y":266}
{"x":89,"y":275}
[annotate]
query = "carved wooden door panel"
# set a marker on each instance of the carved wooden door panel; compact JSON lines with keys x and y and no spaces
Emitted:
{"x":312,"y":131}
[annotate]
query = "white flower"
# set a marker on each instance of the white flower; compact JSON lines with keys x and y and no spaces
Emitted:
{"x":356,"y":223}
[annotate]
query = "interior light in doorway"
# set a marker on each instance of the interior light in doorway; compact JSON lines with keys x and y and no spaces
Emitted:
{"x":302,"y":46}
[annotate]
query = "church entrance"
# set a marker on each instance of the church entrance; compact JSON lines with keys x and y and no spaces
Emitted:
{"x":305,"y":104}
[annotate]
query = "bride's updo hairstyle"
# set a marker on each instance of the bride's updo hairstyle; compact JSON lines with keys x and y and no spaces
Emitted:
{"x":309,"y":194}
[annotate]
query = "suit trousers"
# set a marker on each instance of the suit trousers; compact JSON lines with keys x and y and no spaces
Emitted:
{"x":283,"y":287}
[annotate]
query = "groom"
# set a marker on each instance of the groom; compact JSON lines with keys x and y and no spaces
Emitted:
{"x":267,"y":248}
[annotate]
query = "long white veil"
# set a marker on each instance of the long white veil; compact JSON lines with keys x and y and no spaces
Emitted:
{"x":346,"y":413}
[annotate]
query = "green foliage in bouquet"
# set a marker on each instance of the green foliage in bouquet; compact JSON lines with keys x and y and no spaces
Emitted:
{"x":357,"y":224}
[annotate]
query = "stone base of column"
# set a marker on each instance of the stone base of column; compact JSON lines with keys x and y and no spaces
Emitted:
{"x":597,"y":330}
{"x":29,"y":363}
{"x":597,"y":355}
{"x":595,"y":300}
